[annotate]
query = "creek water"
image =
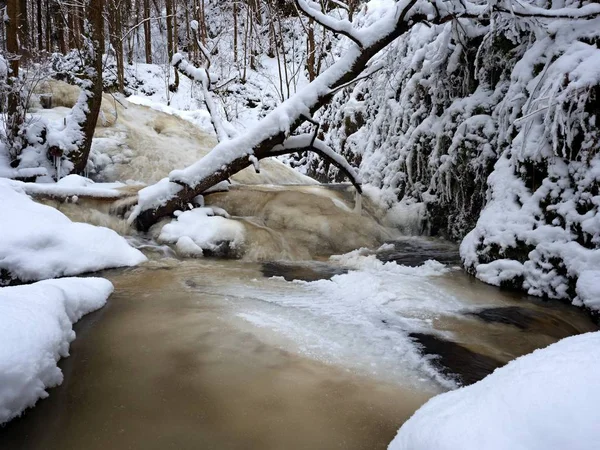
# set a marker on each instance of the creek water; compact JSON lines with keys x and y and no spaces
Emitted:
{"x":228,"y":354}
{"x":283,"y":348}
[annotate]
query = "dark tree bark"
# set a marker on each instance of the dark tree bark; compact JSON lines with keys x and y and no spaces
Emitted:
{"x":14,"y":113}
{"x":58,"y":32}
{"x":90,"y":81}
{"x":40,"y":28}
{"x":115,"y":28}
{"x":170,"y":38}
{"x":95,"y":9}
{"x":147,"y":32}
{"x":24,"y":34}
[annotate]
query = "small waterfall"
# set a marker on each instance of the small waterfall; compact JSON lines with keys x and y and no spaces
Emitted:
{"x":357,"y":203}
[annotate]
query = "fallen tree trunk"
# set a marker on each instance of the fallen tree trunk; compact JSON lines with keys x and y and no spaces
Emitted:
{"x":273,"y":134}
{"x":259,"y":145}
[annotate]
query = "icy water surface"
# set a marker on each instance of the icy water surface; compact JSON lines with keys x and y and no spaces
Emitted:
{"x":163,"y":366}
{"x":285,"y":348}
{"x":212,"y":354}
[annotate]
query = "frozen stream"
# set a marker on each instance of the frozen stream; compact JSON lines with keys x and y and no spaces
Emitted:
{"x":213,"y":354}
{"x":285,"y":348}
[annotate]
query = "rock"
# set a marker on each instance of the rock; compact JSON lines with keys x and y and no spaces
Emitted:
{"x":455,"y":361}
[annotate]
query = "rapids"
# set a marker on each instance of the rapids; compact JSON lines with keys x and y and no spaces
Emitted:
{"x":284,"y":347}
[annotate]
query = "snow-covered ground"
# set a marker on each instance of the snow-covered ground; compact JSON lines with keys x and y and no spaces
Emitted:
{"x":545,"y":400}
{"x":35,"y":332}
{"x":39,"y":242}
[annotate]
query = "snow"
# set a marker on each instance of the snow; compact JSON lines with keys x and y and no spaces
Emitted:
{"x":547,"y":399}
{"x":36,"y":330}
{"x":72,"y":185}
{"x":198,"y":117}
{"x":153,"y":196}
{"x":202,"y":228}
{"x":39,"y":242}
{"x":588,"y":289}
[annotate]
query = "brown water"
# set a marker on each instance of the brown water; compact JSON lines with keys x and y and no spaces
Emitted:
{"x":178,"y":360}
{"x":173,"y":361}
{"x":162,"y":366}
{"x":168,"y":364}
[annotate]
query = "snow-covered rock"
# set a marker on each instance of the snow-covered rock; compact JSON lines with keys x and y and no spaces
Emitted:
{"x":35,"y":331}
{"x":545,"y":400}
{"x":200,"y":229}
{"x":38,"y":242}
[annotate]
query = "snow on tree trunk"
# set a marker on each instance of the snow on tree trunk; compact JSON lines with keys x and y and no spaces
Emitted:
{"x":73,"y":143}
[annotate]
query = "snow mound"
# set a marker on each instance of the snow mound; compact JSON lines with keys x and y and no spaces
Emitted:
{"x":36,"y":330}
{"x":39,"y":242}
{"x":547,"y":399}
{"x":201,"y":229}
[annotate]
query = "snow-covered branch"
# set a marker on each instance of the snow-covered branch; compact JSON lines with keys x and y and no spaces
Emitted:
{"x":308,"y":143}
{"x":338,"y":26}
{"x":202,"y":76}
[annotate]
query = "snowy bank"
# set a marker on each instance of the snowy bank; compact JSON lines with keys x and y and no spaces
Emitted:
{"x":39,"y":242}
{"x":547,"y":399}
{"x":35,"y":330}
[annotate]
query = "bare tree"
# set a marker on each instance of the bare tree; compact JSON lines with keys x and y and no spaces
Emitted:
{"x":15,"y":112}
{"x":80,"y":124}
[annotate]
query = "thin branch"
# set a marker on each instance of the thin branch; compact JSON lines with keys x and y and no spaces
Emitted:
{"x":309,"y":143}
{"x":356,"y":80}
{"x":343,"y":27}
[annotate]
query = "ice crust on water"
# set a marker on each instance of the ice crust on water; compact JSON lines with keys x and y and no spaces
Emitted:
{"x":545,"y":400}
{"x":360,"y":319}
{"x":35,"y":332}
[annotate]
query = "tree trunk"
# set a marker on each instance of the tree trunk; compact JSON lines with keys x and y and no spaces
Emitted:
{"x":311,"y":51}
{"x":24,"y":34}
{"x":40,"y":30}
{"x":59,"y":28}
{"x":147,"y":32}
{"x":90,"y":99}
{"x":14,"y":113}
{"x":48,"y":26}
{"x":235,"y":32}
{"x":170,"y":40}
{"x":118,"y":45}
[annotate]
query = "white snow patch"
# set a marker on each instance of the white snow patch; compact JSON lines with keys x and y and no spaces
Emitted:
{"x":39,"y":242}
{"x":36,"y":330}
{"x":547,"y":399}
{"x":202,"y":229}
